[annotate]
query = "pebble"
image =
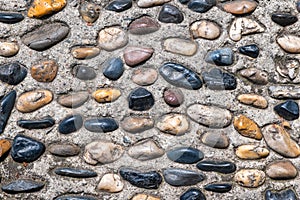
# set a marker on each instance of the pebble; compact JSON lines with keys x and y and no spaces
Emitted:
{"x":4,"y":147}
{"x":298,"y":6}
{"x":201,"y":6}
{"x":112,"y":38}
{"x":113,"y":68}
{"x":144,"y":76}
{"x":288,"y":194}
{"x":218,"y":187}
{"x":83,"y":72}
{"x":26,"y":149}
{"x":174,"y":124}
{"x":45,"y":71}
{"x":89,"y":11}
{"x":150,"y":3}
{"x":85,"y":52}
{"x":102,"y":152}
{"x":192,"y":194}
{"x":13,"y":73}
{"x":46,"y":36}
{"x":8,"y":49}
{"x":253,"y":100}
{"x":143,"y":25}
{"x":288,"y":68}
{"x":216,"y":79}
{"x":147,"y":180}
{"x":281,"y":170}
{"x":111,"y":183}
{"x":244,"y":26}
{"x":136,"y":124}
{"x":119,"y":5}
{"x":106,"y":95}
{"x":224,"y":167}
{"x":215,"y":140}
{"x":182,"y":177}
{"x":173,"y":97}
{"x":289,"y":43}
{"x":255,"y":75}
{"x":250,"y":50}
{"x":250,"y":178}
{"x":42,"y":123}
{"x":180,"y":76}
{"x":64,"y":149}
{"x":144,"y":197}
{"x":278,"y":139}
{"x":220,"y":57}
{"x":41,"y":8}
{"x":284,"y":91}
{"x":75,"y":173}
{"x":170,"y":14}
{"x":185,"y":155}
{"x":6,"y":105}
{"x":33,"y":100}
{"x":10,"y":17}
{"x":140,"y":99}
{"x":210,"y":116}
{"x":180,"y":46}
{"x":205,"y":29}
{"x":251,"y":152}
{"x":74,"y":99}
{"x":247,"y":127}
{"x":284,"y":19}
{"x":134,"y":56}
{"x":146,"y":150}
{"x":101,"y":125}
{"x":22,"y":186}
{"x":288,"y":110}
{"x":239,"y":7}
{"x":75,"y":198}
{"x":70,"y":124}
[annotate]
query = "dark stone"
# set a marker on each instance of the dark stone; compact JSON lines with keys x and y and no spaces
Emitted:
{"x":170,"y":14}
{"x":75,"y":173}
{"x":64,"y":149}
{"x":113,"y":68}
{"x":84,"y":73}
{"x":180,"y":76}
{"x":183,"y":1}
{"x":251,"y":50}
{"x":284,"y":19}
{"x":45,"y":122}
{"x":10,"y":18}
{"x":147,"y":180}
{"x":143,"y":25}
{"x":220,"y":57}
{"x":186,"y":155}
{"x":101,"y":125}
{"x":26,"y":149}
{"x":70,"y":124}
{"x":289,"y":110}
{"x":298,"y":6}
{"x":218,"y":187}
{"x":119,"y":5}
{"x":288,"y":194}
{"x":215,"y":79}
{"x":13,"y":73}
{"x":182,"y":177}
{"x":201,"y":6}
{"x":224,"y":167}
{"x":6,"y":106}
{"x":22,"y":186}
{"x":75,"y":198}
{"x":192,"y":194}
{"x":140,"y":99}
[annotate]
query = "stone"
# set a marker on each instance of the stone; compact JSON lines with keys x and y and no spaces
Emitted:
{"x":119,"y":5}
{"x":112,"y":38}
{"x":22,"y":186}
{"x":224,"y":167}
{"x":64,"y":149}
{"x":33,"y":100}
{"x":170,"y":14}
{"x":247,"y":127}
{"x":72,"y":197}
{"x":218,"y":187}
{"x":201,"y":6}
{"x":45,"y":71}
{"x":70,"y":124}
{"x":46,"y":36}
{"x":111,"y":183}
{"x":180,"y":76}
{"x":74,"y":99}
{"x":147,"y":180}
{"x":101,"y":125}
{"x":146,"y":150}
{"x":216,"y":79}
{"x":278,"y":139}
{"x":239,"y":7}
{"x":83,"y":72}
{"x":113,"y":68}
{"x":75,"y":173}
{"x":8,"y":49}
{"x":192,"y":194}
{"x":143,"y":25}
{"x":284,"y":91}
{"x":134,"y":56}
{"x":288,"y":194}
{"x":102,"y":152}
{"x":140,"y":99}
{"x":4,"y":147}
{"x":85,"y":52}
{"x":284,"y":19}
{"x":26,"y":149}
{"x":182,"y":177}
{"x":244,"y":26}
{"x":255,"y":75}
{"x":210,"y":116}
{"x":10,"y":17}
{"x":174,"y":124}
{"x":106,"y":95}
{"x":180,"y":46}
{"x":6,"y":105}
{"x":215,"y":140}
{"x":183,"y":1}
{"x":45,"y":122}
{"x":251,"y":152}
{"x":41,"y":8}
{"x":250,"y":50}
{"x":89,"y":11}
{"x":288,"y":68}
{"x":136,"y":124}
{"x":13,"y":73}
{"x":150,"y":3}
{"x":289,"y":43}
{"x":253,"y":100}
{"x":298,"y":6}
{"x":281,"y":170}
{"x":250,"y":178}
{"x":144,"y":197}
{"x":289,"y":110}
{"x":205,"y":29}
{"x":220,"y":57}
{"x":173,"y":97}
{"x":185,"y":155}
{"x":144,"y":76}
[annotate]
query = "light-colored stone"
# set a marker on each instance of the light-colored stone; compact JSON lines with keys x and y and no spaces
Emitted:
{"x":135,"y":124}
{"x":73,"y":100}
{"x":8,"y":49}
{"x":284,"y":91}
{"x":253,"y":100}
{"x":112,"y":38}
{"x":251,"y":152}
{"x":180,"y":46}
{"x":135,"y":55}
{"x":144,"y":197}
{"x":4,"y":147}
{"x":255,"y":75}
{"x":289,"y":43}
{"x":150,"y":3}
{"x":85,"y":52}
{"x":281,"y":170}
{"x":205,"y":29}
{"x":111,"y":183}
{"x":288,"y":68}
{"x":144,"y":76}
{"x":175,"y":124}
{"x":146,"y":150}
{"x":214,"y":139}
{"x":251,"y":178}
{"x":239,"y":7}
{"x":40,"y":8}
{"x":106,"y":95}
{"x":247,"y":127}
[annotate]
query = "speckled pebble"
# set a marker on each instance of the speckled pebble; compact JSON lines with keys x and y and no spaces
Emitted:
{"x":41,"y":8}
{"x":215,"y":139}
{"x":173,"y":96}
{"x":44,"y":71}
{"x":284,"y":91}
{"x":247,"y":127}
{"x":89,"y":11}
{"x":85,"y":52}
{"x":251,"y":152}
{"x":5,"y":146}
{"x":8,"y":49}
{"x":106,"y":95}
{"x":64,"y":149}
{"x":251,"y":178}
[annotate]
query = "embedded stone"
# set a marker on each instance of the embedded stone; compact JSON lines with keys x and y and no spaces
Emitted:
{"x":298,"y":6}
{"x":281,"y":170}
{"x":284,"y":19}
{"x":106,"y":95}
{"x":112,"y":38}
{"x":113,"y":68}
{"x":220,"y":57}
{"x":201,"y":6}
{"x":143,"y":25}
{"x":136,"y":55}
{"x":170,"y":14}
{"x":119,"y":5}
{"x":111,"y":183}
{"x":13,"y":73}
{"x":101,"y":125}
{"x":255,"y":75}
{"x":144,"y":197}
{"x":250,"y":50}
{"x":41,"y":8}
{"x":205,"y":29}
{"x":135,"y":124}
{"x":247,"y":127}
{"x":284,"y":91}
{"x":4,"y":147}
{"x":288,"y":68}
{"x":216,"y":79}
{"x":180,"y":46}
{"x":218,"y":187}
{"x":6,"y":105}
{"x":74,"y":99}
{"x":173,"y":96}
{"x":83,"y":72}
{"x":215,"y":140}
{"x":185,"y":155}
{"x":22,"y":186}
{"x":85,"y":52}
{"x":42,"y":123}
{"x":224,"y":167}
{"x":64,"y":149}
{"x":70,"y":124}
{"x":173,"y":123}
{"x":45,"y":71}
{"x":192,"y":194}
{"x":251,"y":178}
{"x":10,"y":17}
{"x":140,"y":99}
{"x":72,"y":197}
{"x":289,"y":43}
{"x":239,"y":7}
{"x":8,"y":49}
{"x":75,"y":173}
{"x":251,"y":152}
{"x":89,"y":11}
{"x":146,"y":150}
{"x":253,"y":100}
{"x":144,"y":76}
{"x":182,"y":177}
{"x":150,"y":3}
{"x":280,"y":195}
{"x":289,"y":110}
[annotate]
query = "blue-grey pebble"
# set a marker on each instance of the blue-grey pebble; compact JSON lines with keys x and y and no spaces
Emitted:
{"x":101,"y":125}
{"x":186,"y":155}
{"x":182,"y":177}
{"x":113,"y":68}
{"x":220,"y":57}
{"x":22,"y":186}
{"x":140,"y":99}
{"x":6,"y":105}
{"x":70,"y":124}
{"x":75,"y":173}
{"x":13,"y":73}
{"x":83,"y":72}
{"x":119,"y":5}
{"x":193,"y":194}
{"x":216,"y":79}
{"x":201,"y":6}
{"x":45,"y":122}
{"x":251,"y":50}
{"x":288,"y":110}
{"x":287,"y":194}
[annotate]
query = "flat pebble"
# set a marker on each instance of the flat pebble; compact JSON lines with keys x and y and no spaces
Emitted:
{"x":192,"y":194}
{"x":247,"y":127}
{"x":284,"y":19}
{"x":173,"y":96}
{"x":220,"y":57}
{"x":8,"y":49}
{"x":250,"y":50}
{"x":170,"y":14}
{"x":253,"y":100}
{"x":288,"y":194}
{"x":134,"y":56}
{"x":218,"y":187}
{"x":13,"y":73}
{"x":6,"y":105}
{"x":146,"y":150}
{"x":112,"y":38}
{"x":113,"y":68}
{"x":42,"y":123}
{"x":111,"y":183}
{"x":22,"y":186}
{"x":89,"y":11}
{"x":182,"y":177}
{"x":281,"y":170}
{"x":150,"y":3}
{"x":239,"y":7}
{"x":41,"y":8}
{"x":201,"y":6}
{"x":224,"y":167}
{"x":106,"y":95}
{"x":205,"y":29}
{"x":289,"y":110}
{"x":10,"y":17}
{"x":45,"y":71}
{"x":137,"y":124}
{"x":140,"y":99}
{"x":284,"y":91}
{"x":64,"y":149}
{"x":289,"y":43}
{"x":255,"y":75}
{"x":144,"y":76}
{"x":101,"y":125}
{"x":144,"y":197}
{"x":180,"y":46}
{"x":251,"y":152}
{"x":83,"y":72}
{"x":216,"y":79}
{"x":251,"y":178}
{"x":174,"y":124}
{"x":75,"y":172}
{"x":70,"y":124}
{"x":185,"y":155}
{"x":143,"y":25}
{"x":85,"y":52}
{"x":215,"y":140}
{"x":5,"y":146}
{"x":119,"y":5}
{"x":74,"y":99}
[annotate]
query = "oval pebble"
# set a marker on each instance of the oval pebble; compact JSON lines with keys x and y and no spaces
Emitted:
{"x":250,"y":50}
{"x":112,"y":38}
{"x":106,"y":95}
{"x":140,"y":99}
{"x":250,"y":178}
{"x":182,"y":177}
{"x":185,"y":155}
{"x":253,"y":100}
{"x":247,"y":127}
{"x":170,"y":14}
{"x":220,"y":57}
{"x":192,"y":194}
{"x":22,"y":186}
{"x":10,"y":17}
{"x":101,"y":125}
{"x":180,"y":46}
{"x":72,"y":197}
{"x":289,"y":43}
{"x":173,"y":123}
{"x":44,"y":71}
{"x":42,"y":123}
{"x":137,"y":124}
{"x":173,"y":96}
{"x":144,"y":76}
{"x":5,"y":146}
{"x":41,"y":8}
{"x":75,"y":173}
{"x":146,"y":150}
{"x":85,"y":52}
{"x":281,"y":170}
{"x":6,"y":106}
{"x":216,"y":79}
{"x":13,"y":73}
{"x":289,"y":110}
{"x":239,"y":7}
{"x":224,"y":167}
{"x":150,"y":3}
{"x":64,"y":149}
{"x":73,"y":100}
{"x":251,"y":152}
{"x":284,"y":91}
{"x":201,"y":6}
{"x":255,"y":75}
{"x":284,"y":19}
{"x":111,"y":183}
{"x":83,"y":72}
{"x":70,"y":124}
{"x":119,"y":5}
{"x":218,"y":187}
{"x":8,"y":49}
{"x":134,"y":56}
{"x":143,"y":25}
{"x":215,"y":139}
{"x":144,"y":197}
{"x":113,"y":68}
{"x":280,"y":195}
{"x":205,"y":29}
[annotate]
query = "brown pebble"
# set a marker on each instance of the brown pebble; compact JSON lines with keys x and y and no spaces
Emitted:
{"x":64,"y":149}
{"x":215,"y":139}
{"x":251,"y":178}
{"x":8,"y":49}
{"x":247,"y":127}
{"x":289,"y":43}
{"x":106,"y":95}
{"x":4,"y":147}
{"x":112,"y":38}
{"x":144,"y":76}
{"x":40,"y":8}
{"x":251,"y":152}
{"x":173,"y":96}
{"x":253,"y":100}
{"x":281,"y":170}
{"x":85,"y":52}
{"x":255,"y":75}
{"x":45,"y":71}
{"x":135,"y":124}
{"x":144,"y":197}
{"x":73,"y":100}
{"x":205,"y":29}
{"x":137,"y":55}
{"x":175,"y":124}
{"x":89,"y":11}
{"x":239,"y":7}
{"x":111,"y":183}
{"x":143,"y":25}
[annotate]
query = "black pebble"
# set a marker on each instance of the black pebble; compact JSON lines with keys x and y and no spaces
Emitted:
{"x":113,"y":68}
{"x":284,"y":19}
{"x":201,"y":6}
{"x":251,"y":50}
{"x":102,"y":125}
{"x":75,"y":173}
{"x":45,"y":122}
{"x":298,"y":6}
{"x":170,"y":14}
{"x":22,"y":186}
{"x":183,"y":1}
{"x":192,"y":194}
{"x":119,"y":5}
{"x":186,"y":155}
{"x":84,"y":73}
{"x":215,"y":79}
{"x":280,"y":195}
{"x":75,"y":198}
{"x":6,"y":106}
{"x":70,"y":124}
{"x":220,"y":57}
{"x":289,"y":110}
{"x":224,"y":167}
{"x":182,"y":177}
{"x":218,"y":187}
{"x":13,"y":73}
{"x":10,"y":18}
{"x":140,"y":99}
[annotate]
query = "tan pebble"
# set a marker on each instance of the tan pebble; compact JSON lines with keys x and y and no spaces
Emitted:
{"x":144,"y":197}
{"x":4,"y":147}
{"x":136,"y":55}
{"x":144,"y":76}
{"x":146,"y":150}
{"x":215,"y":139}
{"x":247,"y":127}
{"x":106,"y":95}
{"x":180,"y":46}
{"x":111,"y":183}
{"x":40,"y":8}
{"x":150,"y":3}
{"x":253,"y":100}
{"x":73,"y":100}
{"x":112,"y":38}
{"x":251,"y":152}
{"x":281,"y":170}
{"x":240,"y":7}
{"x":289,"y":43}
{"x":134,"y":124}
{"x":64,"y":149}
{"x":175,"y":124}
{"x":45,"y":71}
{"x":85,"y":52}
{"x":251,"y":178}
{"x":255,"y":75}
{"x":89,"y":11}
{"x":8,"y":49}
{"x":205,"y":29}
